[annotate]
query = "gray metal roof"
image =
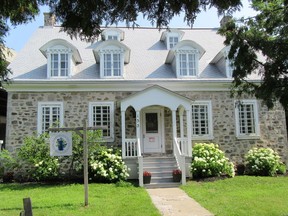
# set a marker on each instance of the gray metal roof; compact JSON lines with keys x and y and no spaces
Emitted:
{"x":147,"y":57}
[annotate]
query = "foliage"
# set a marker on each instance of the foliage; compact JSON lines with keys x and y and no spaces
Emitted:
{"x":263,"y":162}
{"x":108,"y":166}
{"x":208,"y":161}
{"x":242,"y":195}
{"x":259,"y":46}
{"x":68,"y":199}
{"x":7,"y":162}
{"x":35,"y":154}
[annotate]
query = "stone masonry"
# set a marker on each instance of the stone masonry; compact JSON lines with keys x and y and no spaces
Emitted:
{"x":22,"y":120}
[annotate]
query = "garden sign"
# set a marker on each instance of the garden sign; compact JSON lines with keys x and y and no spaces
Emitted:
{"x":60,"y":143}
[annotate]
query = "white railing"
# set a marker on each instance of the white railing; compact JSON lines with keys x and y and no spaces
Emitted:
{"x":131,"y":148}
{"x":183,"y":145}
{"x":180,"y":158}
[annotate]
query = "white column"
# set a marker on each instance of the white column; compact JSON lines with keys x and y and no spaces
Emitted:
{"x":181,"y":111}
{"x":138,"y":135}
{"x":174,"y":128}
{"x":189,"y":132}
{"x":123,"y":130}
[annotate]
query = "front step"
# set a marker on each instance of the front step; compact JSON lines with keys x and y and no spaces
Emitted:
{"x":161,"y":168}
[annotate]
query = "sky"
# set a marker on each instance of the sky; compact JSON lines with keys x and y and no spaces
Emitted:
{"x":19,"y":35}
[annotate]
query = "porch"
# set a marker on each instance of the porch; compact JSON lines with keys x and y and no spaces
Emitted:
{"x":156,"y":121}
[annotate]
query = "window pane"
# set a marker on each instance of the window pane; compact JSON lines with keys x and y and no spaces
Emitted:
{"x":50,"y":117}
{"x":101,"y":116}
{"x":200,"y":120}
{"x":151,"y":122}
{"x":107,"y":64}
{"x":183,"y":65}
{"x":64,"y":65}
{"x":116,"y":64}
{"x":246,"y":119}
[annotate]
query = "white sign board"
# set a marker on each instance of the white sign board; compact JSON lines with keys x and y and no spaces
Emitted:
{"x":61,"y":144}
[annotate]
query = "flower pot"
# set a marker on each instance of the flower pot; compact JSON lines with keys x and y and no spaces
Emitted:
{"x":177,"y":178}
{"x":146,"y":179}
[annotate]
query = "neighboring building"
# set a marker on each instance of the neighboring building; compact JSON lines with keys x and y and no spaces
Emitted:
{"x":10,"y":55}
{"x":156,"y":92}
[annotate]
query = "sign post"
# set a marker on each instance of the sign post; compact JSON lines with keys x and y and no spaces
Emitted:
{"x":85,"y":149}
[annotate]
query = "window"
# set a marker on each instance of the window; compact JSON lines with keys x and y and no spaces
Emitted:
{"x":112,"y":37}
{"x":50,"y":114}
{"x":187,"y":64}
{"x":113,"y":34}
{"x":101,"y":115}
{"x":173,"y":40}
{"x":112,"y":65}
{"x":59,"y":64}
{"x":246,"y":119}
{"x":202,"y":120}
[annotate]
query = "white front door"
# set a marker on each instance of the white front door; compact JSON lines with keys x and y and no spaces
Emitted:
{"x":152,"y":131}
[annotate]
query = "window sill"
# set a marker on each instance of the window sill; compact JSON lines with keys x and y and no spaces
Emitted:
{"x":202,"y":137}
{"x":248,"y":137}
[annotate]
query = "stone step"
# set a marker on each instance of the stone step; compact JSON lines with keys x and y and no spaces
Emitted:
{"x":162,"y":185}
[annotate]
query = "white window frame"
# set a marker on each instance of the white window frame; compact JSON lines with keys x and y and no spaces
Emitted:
{"x":111,"y":129}
{"x":240,"y":135}
{"x":171,"y":35}
{"x":208,"y":136}
{"x":193,"y":52}
{"x":102,"y":62}
{"x":41,"y":105}
{"x":59,"y":50}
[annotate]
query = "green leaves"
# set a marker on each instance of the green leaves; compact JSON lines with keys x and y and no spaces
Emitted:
{"x":259,"y":46}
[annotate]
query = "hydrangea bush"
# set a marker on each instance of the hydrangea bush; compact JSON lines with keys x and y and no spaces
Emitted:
{"x":263,"y":162}
{"x":108,"y":166}
{"x":35,"y":155}
{"x":209,"y":161}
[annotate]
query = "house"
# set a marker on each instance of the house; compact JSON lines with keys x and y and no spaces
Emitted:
{"x":156,"y":93}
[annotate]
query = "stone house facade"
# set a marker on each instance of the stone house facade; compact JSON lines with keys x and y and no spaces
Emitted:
{"x":154,"y":92}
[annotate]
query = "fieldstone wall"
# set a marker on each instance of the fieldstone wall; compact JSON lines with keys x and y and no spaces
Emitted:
{"x":22,"y":119}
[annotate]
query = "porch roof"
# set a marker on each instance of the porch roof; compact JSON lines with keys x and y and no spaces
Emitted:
{"x":155,"y":95}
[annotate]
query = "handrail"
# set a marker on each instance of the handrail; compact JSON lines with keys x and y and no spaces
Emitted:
{"x":140,"y":163}
{"x":180,"y":158}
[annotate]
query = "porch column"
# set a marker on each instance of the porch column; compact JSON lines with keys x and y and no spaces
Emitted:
{"x":138,"y":135}
{"x":174,"y":128}
{"x":123,"y":130}
{"x":189,"y":132}
{"x":183,"y":147}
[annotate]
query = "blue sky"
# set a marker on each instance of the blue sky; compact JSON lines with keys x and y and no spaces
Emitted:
{"x":209,"y":19}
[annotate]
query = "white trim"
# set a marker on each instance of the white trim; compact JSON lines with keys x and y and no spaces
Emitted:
{"x":255,"y":135}
{"x":48,"y":104}
{"x":112,"y":111}
{"x":208,"y":136}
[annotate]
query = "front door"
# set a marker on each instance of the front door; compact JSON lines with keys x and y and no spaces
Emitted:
{"x":152,"y":131}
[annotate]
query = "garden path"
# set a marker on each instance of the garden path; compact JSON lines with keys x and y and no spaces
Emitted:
{"x":175,"y":202}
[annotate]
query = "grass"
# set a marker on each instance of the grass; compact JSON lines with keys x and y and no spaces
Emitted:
{"x":242,"y":196}
{"x":68,"y":200}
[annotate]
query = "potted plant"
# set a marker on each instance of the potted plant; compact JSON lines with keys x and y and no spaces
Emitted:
{"x":177,"y":175}
{"x":146,"y":177}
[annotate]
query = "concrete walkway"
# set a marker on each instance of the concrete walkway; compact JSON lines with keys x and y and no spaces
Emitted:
{"x":174,"y":201}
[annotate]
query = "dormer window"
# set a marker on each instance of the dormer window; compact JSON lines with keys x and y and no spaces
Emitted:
{"x":113,"y":34}
{"x":184,"y":58}
{"x":222,"y":62}
{"x":112,"y":55}
{"x":62,"y":58}
{"x":171,"y":37}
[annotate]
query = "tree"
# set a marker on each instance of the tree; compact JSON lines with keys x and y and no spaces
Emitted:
{"x":259,"y":45}
{"x":83,"y":18}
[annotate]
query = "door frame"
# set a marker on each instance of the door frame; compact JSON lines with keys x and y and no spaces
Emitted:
{"x":161,"y":126}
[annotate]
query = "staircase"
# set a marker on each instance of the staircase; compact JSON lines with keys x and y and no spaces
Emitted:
{"x":161,"y":168}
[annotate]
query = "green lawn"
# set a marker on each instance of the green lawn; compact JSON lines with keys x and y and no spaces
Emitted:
{"x":64,"y":200}
{"x":242,"y":196}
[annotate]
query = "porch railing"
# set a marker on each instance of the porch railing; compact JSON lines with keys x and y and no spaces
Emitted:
{"x":183,"y":145}
{"x":180,"y":158}
{"x":131,"y":148}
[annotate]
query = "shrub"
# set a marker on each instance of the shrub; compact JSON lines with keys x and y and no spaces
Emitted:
{"x":108,"y":166}
{"x":7,"y":163}
{"x":263,"y":162}
{"x":35,"y":154}
{"x":209,"y":161}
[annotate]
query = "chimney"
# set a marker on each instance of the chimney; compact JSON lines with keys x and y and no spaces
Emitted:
{"x":224,"y":20}
{"x":49,"y":19}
